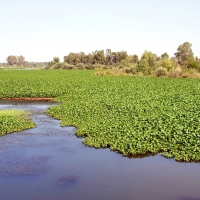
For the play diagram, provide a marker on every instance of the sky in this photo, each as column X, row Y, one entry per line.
column 42, row 29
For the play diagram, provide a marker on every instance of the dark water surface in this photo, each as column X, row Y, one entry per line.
column 50, row 163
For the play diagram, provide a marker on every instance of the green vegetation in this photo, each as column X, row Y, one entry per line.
column 132, row 115
column 120, row 63
column 109, row 63
column 14, row 120
column 18, row 62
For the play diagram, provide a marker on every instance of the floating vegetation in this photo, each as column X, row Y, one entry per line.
column 14, row 120
column 130, row 115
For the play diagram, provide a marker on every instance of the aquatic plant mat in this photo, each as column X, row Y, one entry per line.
column 130, row 115
column 14, row 120
column 29, row 99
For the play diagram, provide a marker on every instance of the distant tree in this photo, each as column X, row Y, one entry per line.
column 119, row 56
column 54, row 64
column 166, row 63
column 134, row 58
column 164, row 55
column 157, row 57
column 150, row 57
column 89, row 59
column 184, row 53
column 193, row 63
column 56, row 59
column 12, row 60
column 147, row 62
column 82, row 58
column 122, row 55
column 125, row 63
column 109, row 57
column 99, row 57
column 21, row 60
column 71, row 58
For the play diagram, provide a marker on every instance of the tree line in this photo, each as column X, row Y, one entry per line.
column 19, row 61
column 148, row 62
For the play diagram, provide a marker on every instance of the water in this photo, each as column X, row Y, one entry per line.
column 50, row 162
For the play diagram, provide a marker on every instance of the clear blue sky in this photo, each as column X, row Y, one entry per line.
column 42, row 29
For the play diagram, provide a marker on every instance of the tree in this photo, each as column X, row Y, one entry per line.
column 193, row 63
column 134, row 58
column 150, row 57
column 109, row 57
column 99, row 57
column 89, row 59
column 71, row 58
column 12, row 60
column 56, row 59
column 21, row 60
column 184, row 53
column 147, row 62
column 166, row 63
column 164, row 55
column 117, row 57
column 54, row 64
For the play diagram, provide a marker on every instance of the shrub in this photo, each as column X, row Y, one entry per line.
column 67, row 66
column 166, row 63
column 175, row 73
column 90, row 67
column 97, row 65
column 110, row 72
column 193, row 64
column 127, row 70
column 161, row 71
column 80, row 66
column 190, row 73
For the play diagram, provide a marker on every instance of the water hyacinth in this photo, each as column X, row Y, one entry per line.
column 14, row 120
column 131, row 115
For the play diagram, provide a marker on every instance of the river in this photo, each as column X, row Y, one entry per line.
column 50, row 162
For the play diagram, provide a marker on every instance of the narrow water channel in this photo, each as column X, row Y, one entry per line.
column 50, row 163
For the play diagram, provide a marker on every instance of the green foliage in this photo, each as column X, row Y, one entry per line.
column 144, row 67
column 161, row 72
column 125, row 63
column 147, row 63
column 134, row 58
column 131, row 115
column 166, row 63
column 165, row 55
column 184, row 53
column 56, row 59
column 14, row 120
column 194, row 64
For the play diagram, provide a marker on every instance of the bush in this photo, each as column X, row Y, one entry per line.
column 175, row 73
column 190, row 73
column 110, row 72
column 98, row 66
column 161, row 72
column 67, row 66
column 80, row 66
column 193, row 64
column 127, row 70
column 166, row 63
column 90, row 67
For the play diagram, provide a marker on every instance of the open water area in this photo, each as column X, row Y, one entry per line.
column 50, row 163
